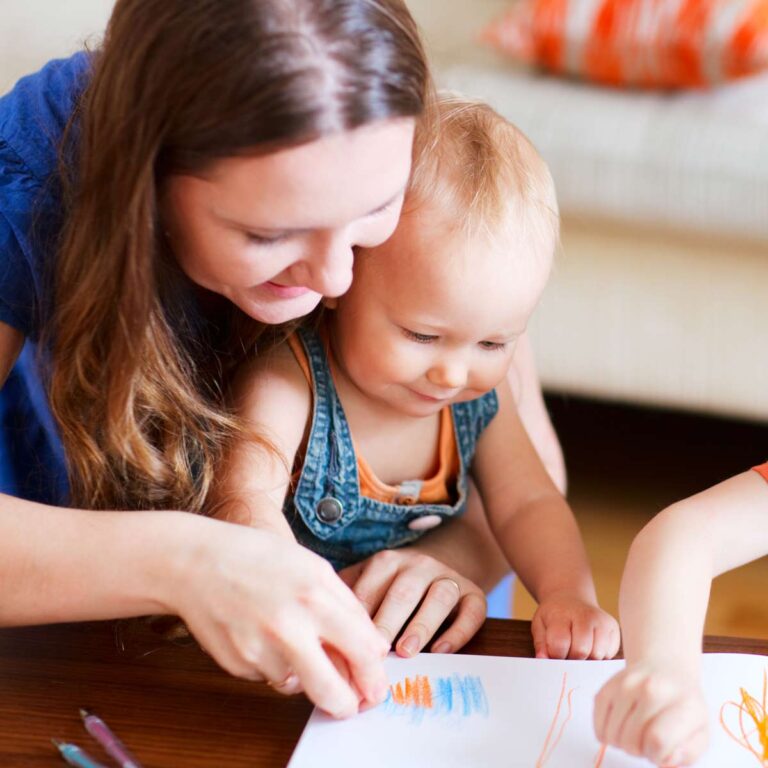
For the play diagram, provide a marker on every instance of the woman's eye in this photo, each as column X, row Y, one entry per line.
column 493, row 345
column 386, row 207
column 421, row 338
column 262, row 240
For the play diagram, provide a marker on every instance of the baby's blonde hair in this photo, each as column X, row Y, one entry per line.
column 484, row 173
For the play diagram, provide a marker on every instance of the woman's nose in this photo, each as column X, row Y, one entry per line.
column 327, row 268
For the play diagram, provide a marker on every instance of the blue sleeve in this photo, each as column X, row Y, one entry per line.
column 18, row 284
column 32, row 118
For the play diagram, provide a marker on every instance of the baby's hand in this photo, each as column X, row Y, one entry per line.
column 655, row 712
column 567, row 627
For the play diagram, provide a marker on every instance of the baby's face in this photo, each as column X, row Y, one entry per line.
column 432, row 318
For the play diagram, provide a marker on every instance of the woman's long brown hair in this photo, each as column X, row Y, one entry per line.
column 138, row 392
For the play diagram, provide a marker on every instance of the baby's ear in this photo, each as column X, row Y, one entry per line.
column 330, row 302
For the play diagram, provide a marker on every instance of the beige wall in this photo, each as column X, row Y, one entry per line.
column 34, row 31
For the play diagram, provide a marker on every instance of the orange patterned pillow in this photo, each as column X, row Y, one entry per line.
column 645, row 43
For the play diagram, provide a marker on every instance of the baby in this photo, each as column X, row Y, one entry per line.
column 398, row 396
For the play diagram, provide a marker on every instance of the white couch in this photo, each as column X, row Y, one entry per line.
column 661, row 290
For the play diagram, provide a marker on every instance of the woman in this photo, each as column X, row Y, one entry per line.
column 218, row 160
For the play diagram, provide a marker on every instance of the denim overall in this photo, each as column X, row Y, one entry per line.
column 326, row 511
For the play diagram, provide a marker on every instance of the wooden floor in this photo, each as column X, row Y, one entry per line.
column 626, row 464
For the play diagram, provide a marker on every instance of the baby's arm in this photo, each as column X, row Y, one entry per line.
column 272, row 396
column 655, row 707
column 537, row 532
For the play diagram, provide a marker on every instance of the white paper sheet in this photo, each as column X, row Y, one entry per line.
column 498, row 712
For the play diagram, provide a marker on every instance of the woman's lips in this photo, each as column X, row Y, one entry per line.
column 285, row 291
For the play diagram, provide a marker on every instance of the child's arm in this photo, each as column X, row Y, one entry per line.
column 526, row 388
column 655, row 707
column 272, row 395
column 537, row 532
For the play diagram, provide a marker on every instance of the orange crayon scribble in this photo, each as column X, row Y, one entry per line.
column 417, row 692
column 548, row 749
column 600, row 756
column 749, row 707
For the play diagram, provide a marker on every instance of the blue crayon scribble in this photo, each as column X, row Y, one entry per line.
column 447, row 697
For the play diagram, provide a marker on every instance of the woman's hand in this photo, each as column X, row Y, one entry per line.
column 395, row 583
column 266, row 608
column 657, row 712
column 565, row 626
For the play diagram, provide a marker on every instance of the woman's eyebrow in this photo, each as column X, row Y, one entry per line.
column 288, row 231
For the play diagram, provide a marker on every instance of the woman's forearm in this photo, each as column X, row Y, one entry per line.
column 59, row 564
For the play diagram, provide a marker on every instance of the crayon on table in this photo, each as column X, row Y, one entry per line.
column 76, row 756
column 112, row 745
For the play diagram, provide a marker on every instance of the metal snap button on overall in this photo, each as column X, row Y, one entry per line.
column 329, row 510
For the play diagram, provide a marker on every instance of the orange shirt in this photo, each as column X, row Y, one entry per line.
column 434, row 490
column 762, row 470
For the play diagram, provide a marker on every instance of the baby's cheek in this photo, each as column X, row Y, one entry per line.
column 491, row 378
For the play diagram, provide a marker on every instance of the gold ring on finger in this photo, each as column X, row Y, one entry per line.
column 282, row 683
column 451, row 581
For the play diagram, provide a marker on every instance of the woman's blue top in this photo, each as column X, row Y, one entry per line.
column 32, row 119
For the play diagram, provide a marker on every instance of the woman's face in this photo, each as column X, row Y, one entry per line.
column 274, row 233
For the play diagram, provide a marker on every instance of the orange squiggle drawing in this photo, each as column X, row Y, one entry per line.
column 600, row 756
column 756, row 711
column 547, row 749
column 417, row 692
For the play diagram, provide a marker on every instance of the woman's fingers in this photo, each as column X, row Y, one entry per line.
column 400, row 601
column 358, row 644
column 268, row 664
column 372, row 580
column 319, row 677
column 470, row 616
column 406, row 588
column 443, row 595
column 266, row 608
column 257, row 661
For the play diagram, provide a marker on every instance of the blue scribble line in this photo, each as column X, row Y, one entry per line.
column 442, row 697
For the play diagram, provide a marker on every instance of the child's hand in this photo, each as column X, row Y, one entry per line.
column 655, row 712
column 566, row 626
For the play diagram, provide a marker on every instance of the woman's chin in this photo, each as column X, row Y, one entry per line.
column 273, row 310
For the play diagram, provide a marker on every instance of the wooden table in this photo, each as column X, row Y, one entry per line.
column 172, row 705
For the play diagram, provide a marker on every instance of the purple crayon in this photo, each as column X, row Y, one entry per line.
column 112, row 745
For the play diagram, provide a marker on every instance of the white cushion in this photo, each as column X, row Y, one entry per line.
column 691, row 161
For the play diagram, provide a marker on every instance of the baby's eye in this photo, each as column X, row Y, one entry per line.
column 493, row 345
column 421, row 338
